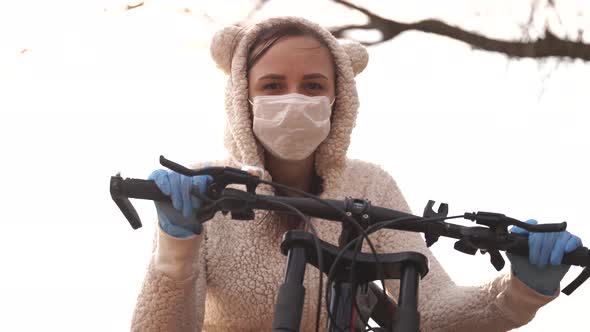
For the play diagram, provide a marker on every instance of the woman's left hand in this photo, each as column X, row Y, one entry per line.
column 543, row 270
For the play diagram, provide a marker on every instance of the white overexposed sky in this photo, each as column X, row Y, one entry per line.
column 86, row 93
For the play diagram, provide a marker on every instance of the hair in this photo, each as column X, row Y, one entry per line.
column 267, row 38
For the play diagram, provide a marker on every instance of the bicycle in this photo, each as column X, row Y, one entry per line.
column 351, row 273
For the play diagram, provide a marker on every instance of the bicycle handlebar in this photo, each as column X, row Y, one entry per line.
column 493, row 236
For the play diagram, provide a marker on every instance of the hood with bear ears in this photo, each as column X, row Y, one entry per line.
column 350, row 59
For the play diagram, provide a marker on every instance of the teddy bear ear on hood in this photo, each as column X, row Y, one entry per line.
column 359, row 57
column 221, row 46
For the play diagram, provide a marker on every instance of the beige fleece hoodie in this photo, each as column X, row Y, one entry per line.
column 227, row 278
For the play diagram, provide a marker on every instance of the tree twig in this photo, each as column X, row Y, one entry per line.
column 129, row 7
column 547, row 46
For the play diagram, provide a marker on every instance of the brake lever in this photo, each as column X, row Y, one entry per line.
column 222, row 177
column 123, row 189
column 500, row 223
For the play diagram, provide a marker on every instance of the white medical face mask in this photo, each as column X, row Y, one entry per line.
column 291, row 126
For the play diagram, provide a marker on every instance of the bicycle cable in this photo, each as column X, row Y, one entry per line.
column 371, row 229
column 333, row 269
column 347, row 218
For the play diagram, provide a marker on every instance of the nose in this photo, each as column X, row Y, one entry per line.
column 295, row 89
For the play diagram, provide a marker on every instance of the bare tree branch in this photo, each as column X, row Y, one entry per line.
column 257, row 8
column 547, row 46
column 545, row 78
column 129, row 7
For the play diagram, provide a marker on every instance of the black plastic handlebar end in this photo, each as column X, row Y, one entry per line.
column 122, row 201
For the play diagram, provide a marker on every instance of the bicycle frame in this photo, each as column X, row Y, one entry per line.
column 408, row 267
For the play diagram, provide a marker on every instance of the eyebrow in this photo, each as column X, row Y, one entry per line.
column 283, row 77
column 314, row 76
column 273, row 77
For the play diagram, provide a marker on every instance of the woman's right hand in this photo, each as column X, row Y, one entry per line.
column 178, row 218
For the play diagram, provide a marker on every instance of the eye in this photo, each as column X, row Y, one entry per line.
column 314, row 86
column 271, row 86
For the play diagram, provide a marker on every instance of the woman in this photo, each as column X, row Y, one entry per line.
column 291, row 104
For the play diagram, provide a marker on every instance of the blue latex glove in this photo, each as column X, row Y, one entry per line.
column 543, row 270
column 178, row 218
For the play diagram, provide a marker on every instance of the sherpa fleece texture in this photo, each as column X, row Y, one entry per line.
column 226, row 279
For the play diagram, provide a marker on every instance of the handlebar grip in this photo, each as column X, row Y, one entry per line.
column 142, row 189
column 123, row 189
column 578, row 257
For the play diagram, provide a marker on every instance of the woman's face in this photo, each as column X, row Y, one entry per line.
column 294, row 64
